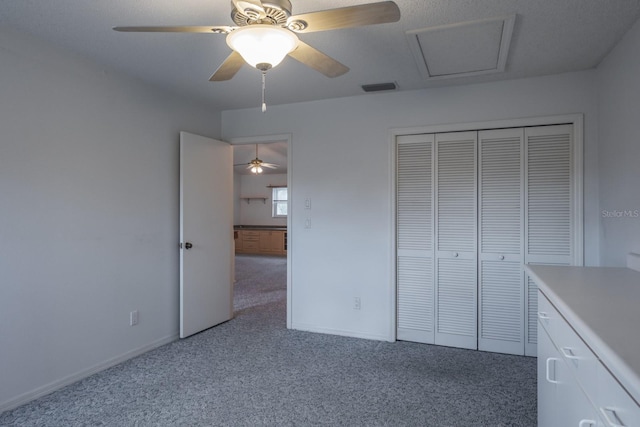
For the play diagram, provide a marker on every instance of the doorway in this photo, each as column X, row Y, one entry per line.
column 262, row 197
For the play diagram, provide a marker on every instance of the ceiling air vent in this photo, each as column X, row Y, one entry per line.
column 379, row 87
column 463, row 49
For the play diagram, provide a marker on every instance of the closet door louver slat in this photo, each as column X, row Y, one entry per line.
column 415, row 299
column 456, row 310
column 501, row 307
column 500, row 206
column 414, row 222
column 456, row 239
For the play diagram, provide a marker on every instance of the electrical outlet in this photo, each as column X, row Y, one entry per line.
column 307, row 223
column 133, row 318
column 357, row 304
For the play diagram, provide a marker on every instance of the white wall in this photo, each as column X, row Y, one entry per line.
column 88, row 215
column 236, row 198
column 255, row 212
column 619, row 153
column 341, row 160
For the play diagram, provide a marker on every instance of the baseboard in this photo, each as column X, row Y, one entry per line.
column 58, row 384
column 351, row 334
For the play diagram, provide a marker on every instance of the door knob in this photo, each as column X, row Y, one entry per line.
column 188, row 245
column 501, row 257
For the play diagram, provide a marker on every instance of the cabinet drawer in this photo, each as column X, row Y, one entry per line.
column 577, row 355
column 250, row 245
column 246, row 233
column 615, row 406
column 548, row 317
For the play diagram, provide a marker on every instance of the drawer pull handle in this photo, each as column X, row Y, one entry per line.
column 549, row 370
column 569, row 354
column 609, row 415
column 587, row 423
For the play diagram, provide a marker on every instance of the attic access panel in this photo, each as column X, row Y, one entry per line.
column 463, row 49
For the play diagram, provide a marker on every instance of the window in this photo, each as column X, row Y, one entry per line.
column 280, row 202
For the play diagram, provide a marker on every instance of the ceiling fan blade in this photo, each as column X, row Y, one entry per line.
column 345, row 17
column 269, row 165
column 178, row 29
column 313, row 58
column 228, row 68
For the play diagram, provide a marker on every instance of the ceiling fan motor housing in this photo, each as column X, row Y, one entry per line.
column 277, row 12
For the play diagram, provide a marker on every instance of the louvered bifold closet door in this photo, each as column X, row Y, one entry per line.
column 414, row 223
column 456, row 239
column 549, row 214
column 500, row 232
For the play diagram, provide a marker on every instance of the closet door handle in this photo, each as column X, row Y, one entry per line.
column 501, row 257
column 455, row 254
column 587, row 423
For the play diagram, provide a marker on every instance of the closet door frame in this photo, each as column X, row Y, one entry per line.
column 577, row 120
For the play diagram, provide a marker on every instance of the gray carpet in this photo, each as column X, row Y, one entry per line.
column 252, row 371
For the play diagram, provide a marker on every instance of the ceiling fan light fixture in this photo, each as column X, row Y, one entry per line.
column 262, row 46
column 256, row 169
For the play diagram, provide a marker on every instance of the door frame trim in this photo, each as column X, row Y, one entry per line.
column 576, row 119
column 266, row 139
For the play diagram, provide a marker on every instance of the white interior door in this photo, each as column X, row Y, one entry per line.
column 500, row 234
column 549, row 215
column 206, row 233
column 414, row 228
column 456, row 240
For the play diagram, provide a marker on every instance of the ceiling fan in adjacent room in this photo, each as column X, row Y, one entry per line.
column 256, row 164
column 266, row 32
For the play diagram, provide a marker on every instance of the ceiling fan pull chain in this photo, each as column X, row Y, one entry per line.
column 264, row 85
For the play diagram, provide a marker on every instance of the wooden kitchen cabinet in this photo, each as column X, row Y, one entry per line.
column 272, row 242
column 261, row 242
column 238, row 241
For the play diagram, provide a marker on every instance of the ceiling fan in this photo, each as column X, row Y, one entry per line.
column 266, row 32
column 256, row 164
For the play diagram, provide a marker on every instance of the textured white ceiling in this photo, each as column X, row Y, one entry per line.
column 550, row 36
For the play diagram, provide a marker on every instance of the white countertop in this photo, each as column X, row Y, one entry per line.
column 602, row 304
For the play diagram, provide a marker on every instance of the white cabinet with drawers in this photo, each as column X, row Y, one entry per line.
column 588, row 346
